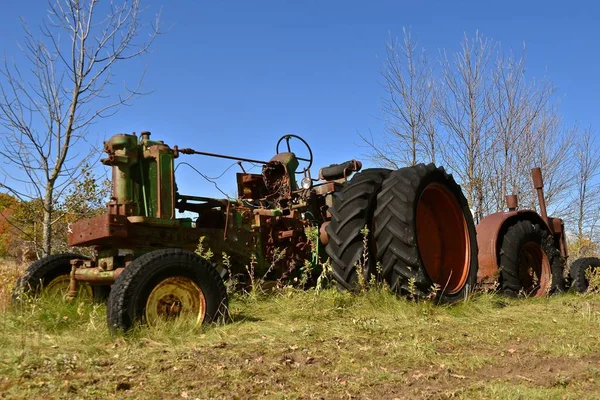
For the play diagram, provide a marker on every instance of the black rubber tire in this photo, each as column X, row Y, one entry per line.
column 352, row 210
column 517, row 236
column 579, row 282
column 396, row 231
column 100, row 293
column 43, row 270
column 129, row 294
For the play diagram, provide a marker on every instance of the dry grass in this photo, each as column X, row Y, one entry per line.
column 9, row 272
column 312, row 345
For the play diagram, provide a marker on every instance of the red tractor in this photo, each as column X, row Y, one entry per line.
column 520, row 251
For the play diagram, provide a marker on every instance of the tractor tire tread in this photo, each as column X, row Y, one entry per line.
column 353, row 208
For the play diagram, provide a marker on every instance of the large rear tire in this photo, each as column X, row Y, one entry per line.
column 50, row 276
column 352, row 211
column 577, row 272
column 425, row 235
column 165, row 284
column 530, row 264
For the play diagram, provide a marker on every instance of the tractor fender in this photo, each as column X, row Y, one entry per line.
column 489, row 231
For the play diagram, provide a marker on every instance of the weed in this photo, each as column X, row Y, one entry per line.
column 592, row 275
column 312, row 235
column 257, row 284
column 202, row 251
column 305, row 274
column 250, row 268
column 324, row 277
column 226, row 261
column 362, row 265
column 434, row 290
column 10, row 271
column 412, row 288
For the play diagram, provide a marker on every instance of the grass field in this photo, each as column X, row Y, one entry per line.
column 309, row 345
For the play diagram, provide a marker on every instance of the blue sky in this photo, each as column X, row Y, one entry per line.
column 232, row 77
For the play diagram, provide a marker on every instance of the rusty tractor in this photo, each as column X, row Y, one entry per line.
column 411, row 227
column 520, row 251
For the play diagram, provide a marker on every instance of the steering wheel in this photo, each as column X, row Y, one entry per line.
column 287, row 142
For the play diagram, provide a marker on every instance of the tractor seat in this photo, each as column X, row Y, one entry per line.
column 339, row 171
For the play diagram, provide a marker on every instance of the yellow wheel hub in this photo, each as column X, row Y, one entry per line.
column 59, row 287
column 173, row 297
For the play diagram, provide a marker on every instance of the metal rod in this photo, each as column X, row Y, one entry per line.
column 202, row 153
column 97, row 275
column 226, row 220
column 144, row 196
column 538, row 183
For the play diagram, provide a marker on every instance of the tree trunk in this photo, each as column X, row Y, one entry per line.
column 47, row 225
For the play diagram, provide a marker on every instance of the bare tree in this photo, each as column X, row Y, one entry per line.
column 586, row 204
column 550, row 148
column 408, row 109
column 48, row 105
column 520, row 115
column 465, row 111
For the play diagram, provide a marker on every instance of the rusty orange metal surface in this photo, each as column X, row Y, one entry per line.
column 488, row 232
column 443, row 238
column 323, row 235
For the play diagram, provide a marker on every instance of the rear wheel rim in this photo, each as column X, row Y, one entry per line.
column 174, row 297
column 443, row 238
column 534, row 270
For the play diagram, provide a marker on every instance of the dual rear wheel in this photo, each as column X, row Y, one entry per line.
column 419, row 231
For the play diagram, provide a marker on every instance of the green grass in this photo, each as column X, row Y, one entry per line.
column 306, row 345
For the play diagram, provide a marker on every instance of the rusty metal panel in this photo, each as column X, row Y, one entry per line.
column 92, row 231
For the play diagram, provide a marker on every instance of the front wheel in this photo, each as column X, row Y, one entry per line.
column 163, row 285
column 530, row 265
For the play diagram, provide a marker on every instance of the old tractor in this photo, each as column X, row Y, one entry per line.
column 411, row 227
column 520, row 251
